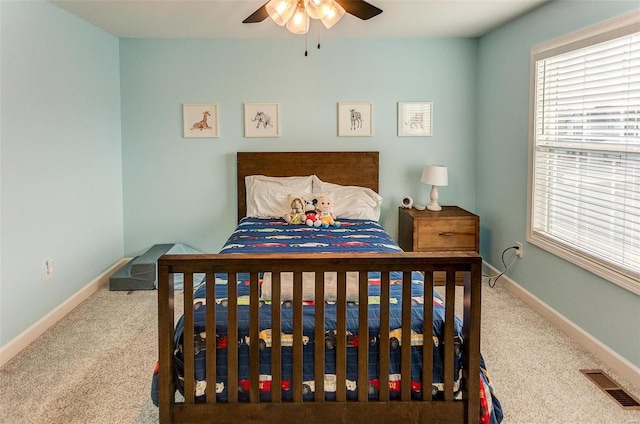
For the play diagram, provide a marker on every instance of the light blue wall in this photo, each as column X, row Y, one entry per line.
column 69, row 91
column 606, row 311
column 184, row 190
column 61, row 166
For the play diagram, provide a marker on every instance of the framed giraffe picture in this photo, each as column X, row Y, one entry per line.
column 415, row 119
column 200, row 120
column 355, row 119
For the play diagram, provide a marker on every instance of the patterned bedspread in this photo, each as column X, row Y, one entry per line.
column 266, row 235
column 254, row 235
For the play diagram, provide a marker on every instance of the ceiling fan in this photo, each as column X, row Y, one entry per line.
column 358, row 8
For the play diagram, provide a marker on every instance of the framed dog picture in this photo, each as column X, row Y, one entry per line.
column 261, row 120
column 200, row 120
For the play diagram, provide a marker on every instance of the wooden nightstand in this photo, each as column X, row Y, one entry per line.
column 448, row 230
column 451, row 229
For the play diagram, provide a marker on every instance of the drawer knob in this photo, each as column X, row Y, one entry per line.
column 448, row 234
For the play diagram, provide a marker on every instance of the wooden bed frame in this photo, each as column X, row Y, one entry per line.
column 348, row 168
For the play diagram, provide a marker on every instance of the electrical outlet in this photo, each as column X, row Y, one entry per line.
column 519, row 252
column 48, row 269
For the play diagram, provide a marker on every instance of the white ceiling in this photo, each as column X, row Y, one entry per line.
column 223, row 18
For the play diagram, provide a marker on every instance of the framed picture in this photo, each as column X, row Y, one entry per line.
column 414, row 119
column 261, row 120
column 200, row 120
column 355, row 119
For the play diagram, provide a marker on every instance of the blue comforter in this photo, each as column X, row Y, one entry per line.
column 261, row 235
column 255, row 235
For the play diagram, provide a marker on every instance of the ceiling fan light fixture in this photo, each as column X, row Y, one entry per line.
column 299, row 22
column 281, row 11
column 333, row 15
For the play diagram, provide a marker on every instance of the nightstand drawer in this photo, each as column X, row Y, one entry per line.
column 446, row 234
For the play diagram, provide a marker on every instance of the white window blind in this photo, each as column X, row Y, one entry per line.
column 585, row 173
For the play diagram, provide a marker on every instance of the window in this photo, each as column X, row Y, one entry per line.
column 584, row 170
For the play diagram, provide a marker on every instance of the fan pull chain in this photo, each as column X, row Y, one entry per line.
column 306, row 42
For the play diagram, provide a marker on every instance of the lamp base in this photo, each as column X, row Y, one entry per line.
column 434, row 206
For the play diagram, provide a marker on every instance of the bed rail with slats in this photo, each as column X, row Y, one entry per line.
column 382, row 410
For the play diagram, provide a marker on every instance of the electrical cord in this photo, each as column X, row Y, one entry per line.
column 506, row 267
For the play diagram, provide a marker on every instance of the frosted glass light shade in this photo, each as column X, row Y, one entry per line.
column 317, row 9
column 299, row 22
column 281, row 10
column 333, row 15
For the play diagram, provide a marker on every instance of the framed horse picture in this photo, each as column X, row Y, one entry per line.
column 200, row 120
column 261, row 120
column 355, row 119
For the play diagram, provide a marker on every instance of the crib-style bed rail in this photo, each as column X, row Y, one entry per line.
column 319, row 410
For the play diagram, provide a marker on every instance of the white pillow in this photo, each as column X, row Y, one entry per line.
column 350, row 202
column 269, row 196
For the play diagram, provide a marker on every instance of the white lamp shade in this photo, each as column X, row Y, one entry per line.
column 281, row 10
column 333, row 15
column 435, row 175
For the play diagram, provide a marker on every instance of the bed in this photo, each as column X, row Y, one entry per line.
column 302, row 319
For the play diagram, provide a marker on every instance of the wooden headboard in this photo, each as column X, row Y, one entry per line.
column 345, row 168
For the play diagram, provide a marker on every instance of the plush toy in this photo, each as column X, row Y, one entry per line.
column 296, row 213
column 325, row 212
column 311, row 216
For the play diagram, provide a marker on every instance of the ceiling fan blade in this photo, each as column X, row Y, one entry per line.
column 257, row 16
column 359, row 8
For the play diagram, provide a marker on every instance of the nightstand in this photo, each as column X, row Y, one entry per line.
column 451, row 229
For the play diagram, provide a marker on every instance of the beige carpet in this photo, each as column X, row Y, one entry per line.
column 95, row 366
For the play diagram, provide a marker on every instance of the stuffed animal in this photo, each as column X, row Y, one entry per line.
column 296, row 213
column 311, row 216
column 325, row 212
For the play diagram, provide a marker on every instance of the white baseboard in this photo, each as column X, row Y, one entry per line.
column 30, row 334
column 612, row 359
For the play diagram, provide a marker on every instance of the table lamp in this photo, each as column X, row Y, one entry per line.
column 436, row 175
